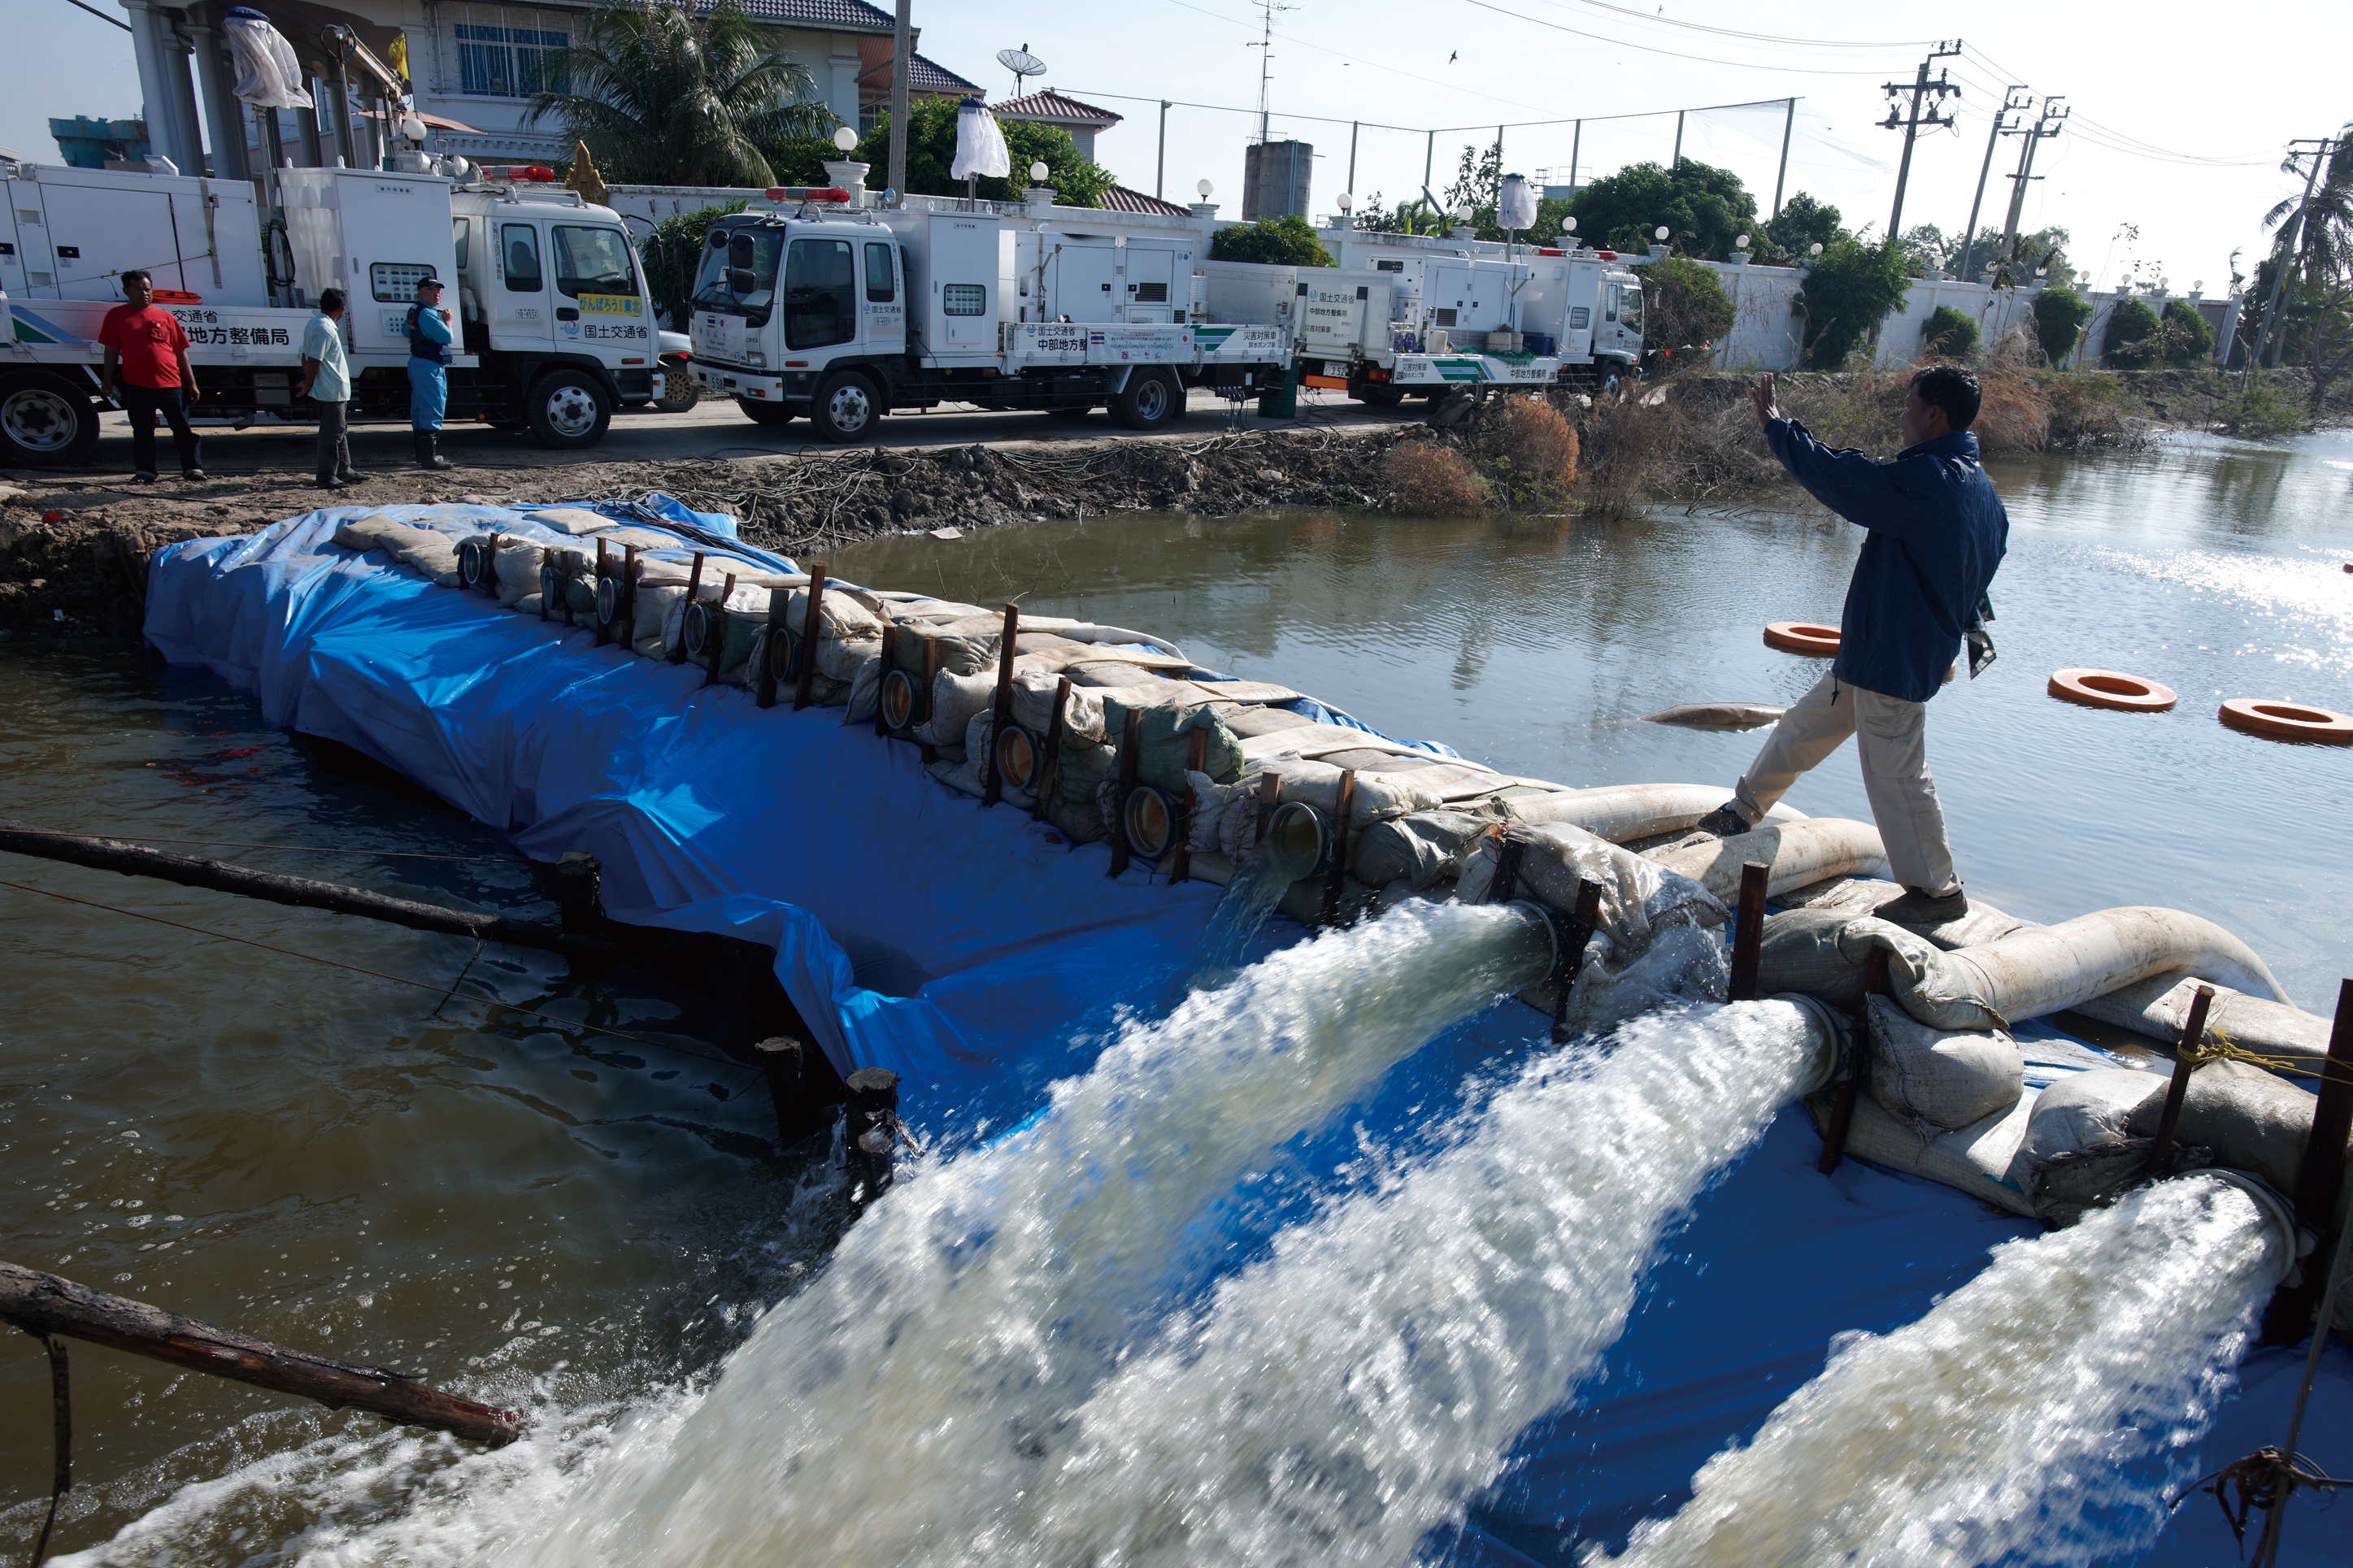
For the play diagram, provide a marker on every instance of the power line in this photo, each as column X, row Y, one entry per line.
column 1654, row 49
column 1756, row 37
column 1353, row 59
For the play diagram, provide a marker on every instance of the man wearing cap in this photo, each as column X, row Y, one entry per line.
column 147, row 368
column 429, row 376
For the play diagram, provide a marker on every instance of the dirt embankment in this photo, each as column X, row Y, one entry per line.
column 73, row 554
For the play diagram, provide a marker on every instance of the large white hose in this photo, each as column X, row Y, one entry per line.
column 2064, row 966
column 1621, row 813
column 2159, row 1006
column 1796, row 855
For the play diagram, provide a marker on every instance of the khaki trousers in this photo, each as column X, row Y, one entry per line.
column 1891, row 736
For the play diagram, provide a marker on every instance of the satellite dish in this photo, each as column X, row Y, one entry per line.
column 1021, row 63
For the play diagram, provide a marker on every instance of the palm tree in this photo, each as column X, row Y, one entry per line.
column 2326, row 247
column 667, row 94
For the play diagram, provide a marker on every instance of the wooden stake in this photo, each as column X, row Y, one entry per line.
column 47, row 1304
column 871, row 1128
column 1195, row 757
column 490, row 565
column 1581, row 924
column 921, row 713
column 1509, row 848
column 546, row 577
column 1050, row 755
column 1001, row 713
column 718, row 648
column 1339, row 866
column 797, row 1115
column 2193, row 1035
column 1748, row 933
column 812, row 630
column 1874, row 977
column 779, row 602
column 1269, row 795
column 299, row 892
column 604, row 570
column 2320, row 1176
column 628, row 615
column 890, row 662
column 1131, row 742
column 693, row 583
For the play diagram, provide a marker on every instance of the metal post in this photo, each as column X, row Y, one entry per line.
column 2320, row 1175
column 1874, row 979
column 1499, row 176
column 1748, row 932
column 339, row 92
column 1576, row 145
column 1351, row 186
column 1427, row 153
column 224, row 116
column 1969, row 234
column 1160, row 169
column 2193, row 1035
column 1789, row 125
column 901, row 26
column 306, row 120
column 1678, row 158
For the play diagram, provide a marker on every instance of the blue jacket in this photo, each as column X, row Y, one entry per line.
column 1938, row 533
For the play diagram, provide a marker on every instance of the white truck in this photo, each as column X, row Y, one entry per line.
column 815, row 304
column 557, row 329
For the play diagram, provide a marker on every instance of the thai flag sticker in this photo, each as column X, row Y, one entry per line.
column 1096, row 338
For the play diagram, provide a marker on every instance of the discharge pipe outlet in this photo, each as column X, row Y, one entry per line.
column 2035, row 972
column 1298, row 840
column 1621, row 813
column 1795, row 855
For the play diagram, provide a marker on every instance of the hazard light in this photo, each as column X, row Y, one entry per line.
column 1607, row 255
column 1551, row 250
column 781, row 194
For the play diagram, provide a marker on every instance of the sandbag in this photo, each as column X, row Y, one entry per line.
column 377, row 531
column 1640, row 898
column 2080, row 1147
column 1795, row 855
column 572, row 520
column 434, row 558
column 1824, row 953
column 958, row 655
column 1976, row 1159
column 2252, row 1121
column 1165, row 743
column 954, row 699
column 1869, row 895
column 1419, row 849
column 1944, row 1079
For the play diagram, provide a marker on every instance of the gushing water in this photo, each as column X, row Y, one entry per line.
column 1333, row 1403
column 1258, row 886
column 2037, row 1414
column 899, row 1408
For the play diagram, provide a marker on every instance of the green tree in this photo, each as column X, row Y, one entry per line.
column 1926, row 249
column 1950, row 332
column 1077, row 181
column 1803, row 223
column 1286, row 241
column 2059, row 316
column 2188, row 339
column 2320, row 274
column 1850, row 290
column 1684, row 307
column 663, row 95
column 671, row 253
column 2130, row 341
column 1703, row 208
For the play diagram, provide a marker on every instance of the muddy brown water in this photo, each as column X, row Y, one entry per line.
column 542, row 1213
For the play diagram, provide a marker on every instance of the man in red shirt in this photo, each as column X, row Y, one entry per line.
column 152, row 349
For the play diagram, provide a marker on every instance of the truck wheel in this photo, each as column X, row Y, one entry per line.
column 45, row 421
column 846, row 408
column 765, row 413
column 1377, row 394
column 568, row 410
column 1149, row 400
column 680, row 390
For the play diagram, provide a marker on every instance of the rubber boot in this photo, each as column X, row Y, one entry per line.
column 426, row 458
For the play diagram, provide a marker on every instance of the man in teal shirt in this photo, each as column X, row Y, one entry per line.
column 429, row 376
column 327, row 380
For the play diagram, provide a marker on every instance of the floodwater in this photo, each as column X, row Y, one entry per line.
column 545, row 1189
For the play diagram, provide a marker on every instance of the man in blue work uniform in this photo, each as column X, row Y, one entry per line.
column 1936, row 534
column 429, row 376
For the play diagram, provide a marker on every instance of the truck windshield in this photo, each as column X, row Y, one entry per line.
column 739, row 273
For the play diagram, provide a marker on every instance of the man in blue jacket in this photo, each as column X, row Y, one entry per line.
column 1936, row 532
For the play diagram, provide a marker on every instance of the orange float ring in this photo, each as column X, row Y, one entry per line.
column 1803, row 636
column 2111, row 688
column 2287, row 720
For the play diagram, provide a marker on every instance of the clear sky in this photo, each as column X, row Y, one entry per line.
column 2159, row 91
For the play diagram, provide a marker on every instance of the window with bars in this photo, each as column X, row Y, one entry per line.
column 497, row 59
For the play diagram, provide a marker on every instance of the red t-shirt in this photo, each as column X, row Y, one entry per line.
column 149, row 340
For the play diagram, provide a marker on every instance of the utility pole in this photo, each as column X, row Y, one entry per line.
column 1160, row 169
column 901, row 44
column 1676, row 162
column 2010, row 100
column 1919, row 87
column 1351, row 186
column 2045, row 126
column 1789, row 125
column 2322, row 149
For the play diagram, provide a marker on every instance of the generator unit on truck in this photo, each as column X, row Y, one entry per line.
column 556, row 333
column 813, row 305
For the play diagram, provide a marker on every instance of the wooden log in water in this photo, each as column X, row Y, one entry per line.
column 47, row 1304
column 300, row 892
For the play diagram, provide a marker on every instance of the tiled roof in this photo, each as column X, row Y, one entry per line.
column 1120, row 199
column 926, row 77
column 1052, row 106
column 851, row 15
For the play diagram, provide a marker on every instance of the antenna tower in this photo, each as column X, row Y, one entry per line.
column 1265, row 46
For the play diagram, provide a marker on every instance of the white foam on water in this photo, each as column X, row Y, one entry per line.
column 2039, row 1414
column 902, row 1401
column 1333, row 1403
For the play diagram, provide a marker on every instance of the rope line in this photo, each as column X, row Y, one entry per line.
column 378, row 975
column 2219, row 1048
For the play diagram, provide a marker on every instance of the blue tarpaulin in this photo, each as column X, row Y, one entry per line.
column 1013, row 949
